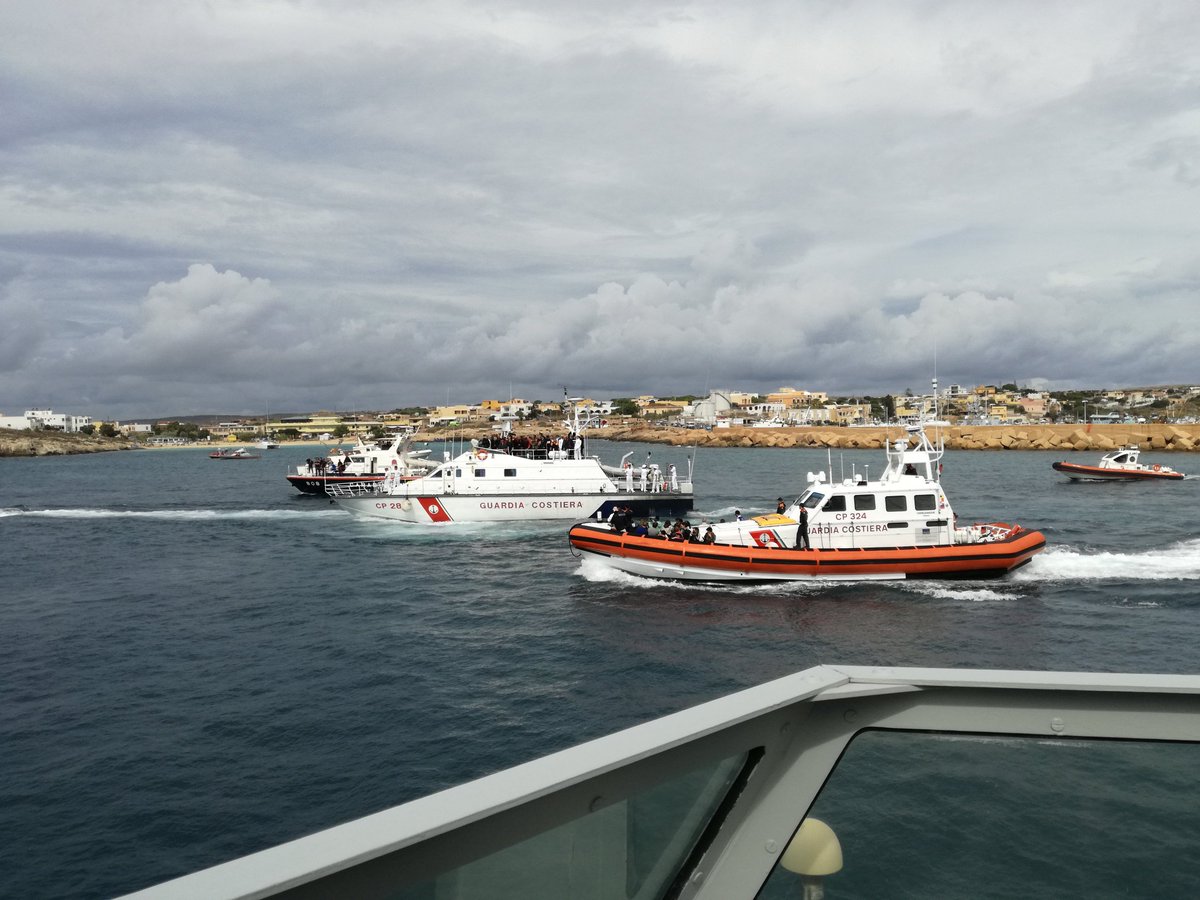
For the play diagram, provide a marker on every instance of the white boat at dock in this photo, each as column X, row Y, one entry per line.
column 504, row 479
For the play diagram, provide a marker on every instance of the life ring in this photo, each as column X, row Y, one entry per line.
column 1157, row 467
column 481, row 454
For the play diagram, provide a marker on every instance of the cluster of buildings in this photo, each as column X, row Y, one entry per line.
column 45, row 419
column 788, row 406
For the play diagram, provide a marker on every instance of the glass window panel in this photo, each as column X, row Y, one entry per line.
column 630, row 850
column 864, row 501
column 835, row 504
column 923, row 815
column 925, row 502
column 895, row 503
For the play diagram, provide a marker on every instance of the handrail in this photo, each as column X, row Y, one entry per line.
column 793, row 730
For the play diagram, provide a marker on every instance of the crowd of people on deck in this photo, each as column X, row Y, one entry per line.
column 323, row 465
column 622, row 521
column 536, row 446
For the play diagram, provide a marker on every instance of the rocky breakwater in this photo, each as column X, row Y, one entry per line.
column 57, row 443
column 1094, row 438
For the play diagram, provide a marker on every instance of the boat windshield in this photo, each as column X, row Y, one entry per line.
column 811, row 499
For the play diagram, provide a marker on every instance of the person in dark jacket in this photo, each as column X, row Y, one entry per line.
column 802, row 531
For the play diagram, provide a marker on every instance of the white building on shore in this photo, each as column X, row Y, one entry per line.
column 45, row 419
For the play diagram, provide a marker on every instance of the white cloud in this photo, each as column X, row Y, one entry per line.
column 399, row 201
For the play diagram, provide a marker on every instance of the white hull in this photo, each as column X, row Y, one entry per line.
column 519, row 481
column 444, row 509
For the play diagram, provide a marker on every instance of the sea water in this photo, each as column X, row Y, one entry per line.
column 197, row 661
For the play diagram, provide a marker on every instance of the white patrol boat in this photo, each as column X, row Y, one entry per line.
column 898, row 526
column 1121, row 464
column 500, row 480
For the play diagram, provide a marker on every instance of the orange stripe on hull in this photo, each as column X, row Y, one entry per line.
column 960, row 560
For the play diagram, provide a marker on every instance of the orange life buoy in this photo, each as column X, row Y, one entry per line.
column 481, row 454
column 1157, row 467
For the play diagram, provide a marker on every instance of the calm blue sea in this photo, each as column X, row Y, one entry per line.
column 196, row 661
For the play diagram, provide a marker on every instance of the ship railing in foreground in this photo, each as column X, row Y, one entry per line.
column 842, row 781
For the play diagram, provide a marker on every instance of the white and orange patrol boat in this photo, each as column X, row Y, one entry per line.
column 1121, row 464
column 899, row 526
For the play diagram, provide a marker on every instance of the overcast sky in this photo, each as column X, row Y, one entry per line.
column 238, row 207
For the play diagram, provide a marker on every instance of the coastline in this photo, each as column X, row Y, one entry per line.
column 1067, row 438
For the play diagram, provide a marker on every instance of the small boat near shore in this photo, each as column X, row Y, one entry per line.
column 508, row 478
column 899, row 526
column 1121, row 464
column 233, row 453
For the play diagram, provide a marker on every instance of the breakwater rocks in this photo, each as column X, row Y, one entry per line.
column 57, row 443
column 1094, row 438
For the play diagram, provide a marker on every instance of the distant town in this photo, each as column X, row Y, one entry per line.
column 1005, row 404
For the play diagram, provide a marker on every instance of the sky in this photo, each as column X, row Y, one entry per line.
column 241, row 207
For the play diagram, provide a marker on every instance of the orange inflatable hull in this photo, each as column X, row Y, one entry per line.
column 654, row 557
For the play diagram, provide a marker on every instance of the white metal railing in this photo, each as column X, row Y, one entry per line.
column 762, row 754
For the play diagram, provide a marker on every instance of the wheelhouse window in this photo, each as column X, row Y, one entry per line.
column 864, row 501
column 479, row 473
column 925, row 502
column 895, row 503
column 812, row 500
column 510, row 473
column 836, row 504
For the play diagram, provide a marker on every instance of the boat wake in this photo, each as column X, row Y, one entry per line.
column 190, row 515
column 1178, row 562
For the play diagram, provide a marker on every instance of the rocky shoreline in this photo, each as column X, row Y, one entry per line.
column 1067, row 438
column 1185, row 438
column 58, row 443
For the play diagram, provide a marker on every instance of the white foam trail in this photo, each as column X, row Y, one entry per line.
column 592, row 569
column 191, row 515
column 939, row 591
column 1178, row 562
